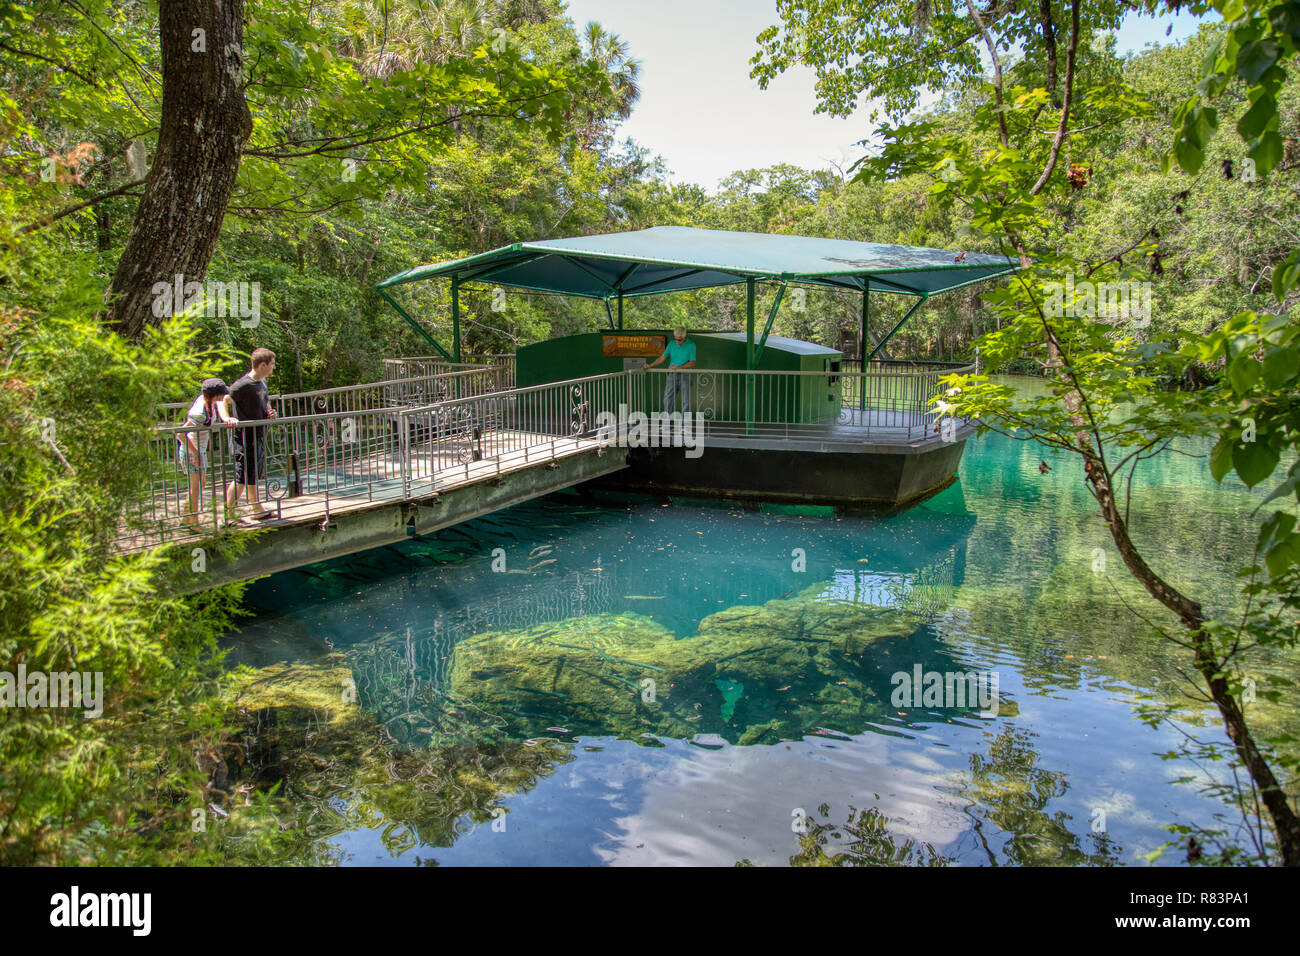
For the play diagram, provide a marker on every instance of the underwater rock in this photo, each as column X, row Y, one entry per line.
column 757, row 674
column 322, row 687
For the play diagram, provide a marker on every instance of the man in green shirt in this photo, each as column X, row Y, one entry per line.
column 680, row 355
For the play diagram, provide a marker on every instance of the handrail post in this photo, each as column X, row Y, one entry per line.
column 862, row 348
column 404, row 452
column 749, row 356
column 455, row 319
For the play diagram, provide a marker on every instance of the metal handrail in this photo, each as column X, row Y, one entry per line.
column 516, row 392
column 382, row 388
column 947, row 369
column 395, row 452
column 829, row 406
column 528, row 389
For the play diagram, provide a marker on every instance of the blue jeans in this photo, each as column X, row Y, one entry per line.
column 678, row 382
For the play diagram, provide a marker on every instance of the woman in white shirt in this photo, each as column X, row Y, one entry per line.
column 211, row 406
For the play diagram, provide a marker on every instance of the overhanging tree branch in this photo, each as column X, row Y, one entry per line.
column 343, row 144
column 55, row 63
column 149, row 77
column 1065, row 104
column 55, row 217
column 997, row 71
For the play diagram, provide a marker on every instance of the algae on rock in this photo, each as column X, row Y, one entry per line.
column 756, row 674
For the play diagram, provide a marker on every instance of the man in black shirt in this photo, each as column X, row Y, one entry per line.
column 252, row 404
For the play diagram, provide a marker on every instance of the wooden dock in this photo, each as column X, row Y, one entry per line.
column 370, row 502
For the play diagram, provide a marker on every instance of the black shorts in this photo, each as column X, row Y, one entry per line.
column 250, row 459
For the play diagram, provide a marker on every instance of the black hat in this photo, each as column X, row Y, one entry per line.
column 213, row 387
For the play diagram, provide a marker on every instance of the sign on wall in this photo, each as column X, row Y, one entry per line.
column 633, row 346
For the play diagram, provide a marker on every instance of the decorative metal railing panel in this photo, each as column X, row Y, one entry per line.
column 514, row 427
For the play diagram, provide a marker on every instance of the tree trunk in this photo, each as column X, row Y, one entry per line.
column 331, row 359
column 103, row 228
column 1049, row 45
column 204, row 126
column 1285, row 821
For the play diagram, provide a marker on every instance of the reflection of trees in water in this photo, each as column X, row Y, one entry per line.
column 864, row 840
column 403, row 677
column 914, row 563
column 378, row 772
column 1009, row 790
column 1004, row 794
column 927, row 591
column 338, row 771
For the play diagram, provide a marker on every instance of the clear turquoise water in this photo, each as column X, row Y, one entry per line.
column 784, row 745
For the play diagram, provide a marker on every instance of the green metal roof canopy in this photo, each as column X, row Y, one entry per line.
column 676, row 258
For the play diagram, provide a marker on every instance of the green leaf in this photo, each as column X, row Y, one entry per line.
column 1254, row 461
column 1205, row 121
column 1267, row 152
column 1243, row 373
column 1221, row 458
column 1285, row 18
column 1280, row 546
column 1275, row 528
column 1280, row 366
column 1254, row 59
column 1285, row 488
column 1189, row 155
column 1216, row 50
column 1257, row 117
column 1286, row 275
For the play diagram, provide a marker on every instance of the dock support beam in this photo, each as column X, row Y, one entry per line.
column 890, row 334
column 862, row 347
column 767, row 329
column 383, row 294
column 455, row 319
column 749, row 355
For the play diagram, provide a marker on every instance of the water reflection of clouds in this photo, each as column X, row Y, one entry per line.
column 704, row 810
column 1119, row 805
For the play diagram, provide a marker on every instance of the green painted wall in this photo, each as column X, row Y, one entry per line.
column 577, row 356
column 776, row 399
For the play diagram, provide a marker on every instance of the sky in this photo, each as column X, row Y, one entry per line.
column 702, row 113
